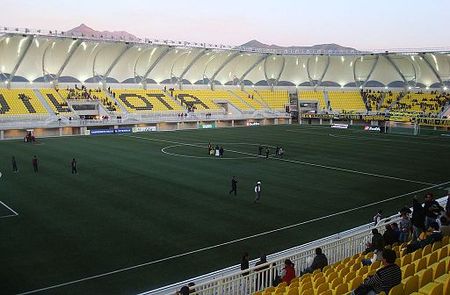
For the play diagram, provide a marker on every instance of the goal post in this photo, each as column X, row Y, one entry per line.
column 405, row 128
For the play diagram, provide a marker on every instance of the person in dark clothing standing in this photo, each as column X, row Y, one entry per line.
column 245, row 263
column 267, row 153
column 263, row 279
column 260, row 148
column 74, row 166
column 432, row 210
column 35, row 164
column 14, row 165
column 233, row 186
column 417, row 219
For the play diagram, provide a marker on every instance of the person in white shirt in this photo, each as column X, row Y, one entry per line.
column 257, row 191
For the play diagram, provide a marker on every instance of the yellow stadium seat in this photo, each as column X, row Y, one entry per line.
column 421, row 264
column 445, row 240
column 397, row 290
column 336, row 282
column 432, row 258
column 356, row 266
column 341, row 289
column 443, row 252
column 438, row 269
column 355, row 283
column 319, row 281
column 375, row 265
column 362, row 271
column 343, row 272
column 425, row 277
column 405, row 259
column 321, row 288
column 327, row 292
column 411, row 284
column 407, row 271
column 293, row 291
column 426, row 250
column 442, row 279
column 305, row 286
column 331, row 277
column 269, row 290
column 416, row 254
column 350, row 276
column 307, row 292
column 432, row 289
column 447, row 286
column 436, row 245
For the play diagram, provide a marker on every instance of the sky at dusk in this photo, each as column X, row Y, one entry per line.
column 359, row 24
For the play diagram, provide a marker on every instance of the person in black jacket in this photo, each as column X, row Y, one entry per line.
column 390, row 237
column 233, row 186
column 245, row 263
column 432, row 210
column 377, row 243
column 319, row 262
column 417, row 219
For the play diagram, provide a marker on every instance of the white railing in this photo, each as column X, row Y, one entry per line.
column 232, row 280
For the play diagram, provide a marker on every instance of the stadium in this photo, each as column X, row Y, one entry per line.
column 332, row 136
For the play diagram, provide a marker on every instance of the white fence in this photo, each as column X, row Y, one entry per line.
column 233, row 281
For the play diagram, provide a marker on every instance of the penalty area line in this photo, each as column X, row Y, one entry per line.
column 230, row 242
column 14, row 213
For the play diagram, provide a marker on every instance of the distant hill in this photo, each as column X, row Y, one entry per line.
column 89, row 32
column 257, row 44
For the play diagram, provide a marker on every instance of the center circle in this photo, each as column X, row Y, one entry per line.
column 203, row 146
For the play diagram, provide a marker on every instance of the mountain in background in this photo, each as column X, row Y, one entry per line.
column 89, row 32
column 257, row 44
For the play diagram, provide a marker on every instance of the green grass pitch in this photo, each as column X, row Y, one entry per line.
column 140, row 198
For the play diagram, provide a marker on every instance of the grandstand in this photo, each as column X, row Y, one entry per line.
column 135, row 100
column 20, row 102
column 346, row 101
column 150, row 209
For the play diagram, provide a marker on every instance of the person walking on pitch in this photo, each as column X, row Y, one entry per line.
column 257, row 192
column 233, row 186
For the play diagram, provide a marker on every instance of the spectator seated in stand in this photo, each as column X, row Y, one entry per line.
column 384, row 279
column 319, row 262
column 434, row 235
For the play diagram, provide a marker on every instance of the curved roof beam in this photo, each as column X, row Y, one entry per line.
column 22, row 55
column 389, row 59
column 370, row 73
column 137, row 61
column 324, row 71
column 71, row 52
column 279, row 75
column 432, row 68
column 254, row 65
column 227, row 61
column 154, row 64
column 94, row 74
column 199, row 55
column 114, row 63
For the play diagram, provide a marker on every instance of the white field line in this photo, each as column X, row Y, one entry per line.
column 230, row 242
column 10, row 209
column 295, row 162
column 418, row 140
column 164, row 151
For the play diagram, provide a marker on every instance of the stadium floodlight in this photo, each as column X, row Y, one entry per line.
column 386, row 87
column 445, row 88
